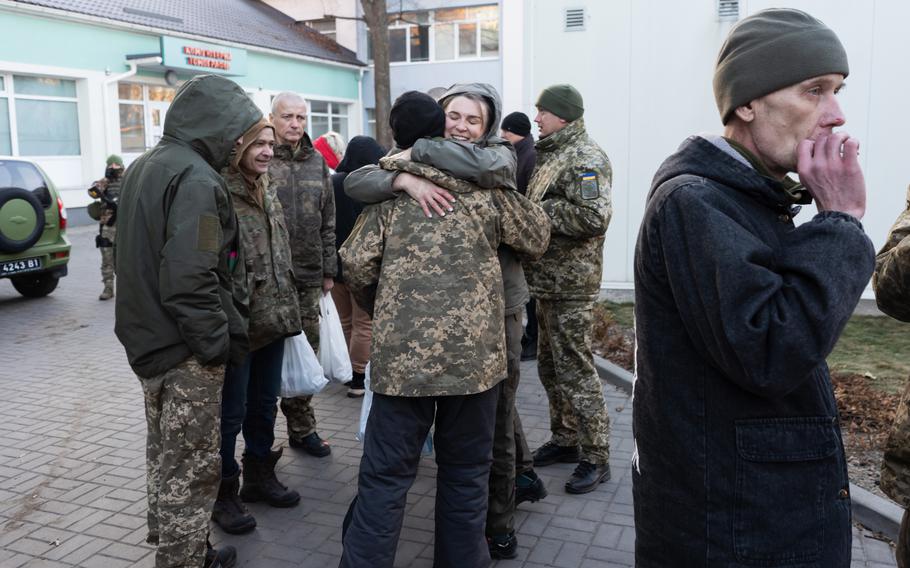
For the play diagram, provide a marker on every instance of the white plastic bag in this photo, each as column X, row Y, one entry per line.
column 366, row 404
column 333, row 349
column 427, row 449
column 301, row 373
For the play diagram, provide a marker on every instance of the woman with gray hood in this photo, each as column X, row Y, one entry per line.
column 471, row 152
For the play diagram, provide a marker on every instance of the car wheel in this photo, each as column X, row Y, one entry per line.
column 35, row 285
column 17, row 239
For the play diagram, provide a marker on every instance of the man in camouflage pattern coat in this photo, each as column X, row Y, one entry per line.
column 435, row 289
column 300, row 177
column 891, row 282
column 572, row 182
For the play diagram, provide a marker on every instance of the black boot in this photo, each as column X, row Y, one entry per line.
column 224, row 557
column 355, row 387
column 260, row 483
column 229, row 512
column 529, row 487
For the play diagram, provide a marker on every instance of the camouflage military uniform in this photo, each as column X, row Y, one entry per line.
column 891, row 282
column 269, row 277
column 301, row 180
column 183, row 410
column 449, row 274
column 108, row 229
column 434, row 289
column 572, row 183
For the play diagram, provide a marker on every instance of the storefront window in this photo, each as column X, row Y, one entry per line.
column 142, row 112
column 467, row 40
column 489, row 39
column 129, row 91
column 44, row 86
column 159, row 93
column 132, row 128
column 397, row 46
column 6, row 147
column 43, row 113
column 325, row 116
column 47, row 128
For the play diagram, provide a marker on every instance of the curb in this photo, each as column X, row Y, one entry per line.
column 873, row 512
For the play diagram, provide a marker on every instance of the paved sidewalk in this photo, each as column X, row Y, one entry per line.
column 72, row 481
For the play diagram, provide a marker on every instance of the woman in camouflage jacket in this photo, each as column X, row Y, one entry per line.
column 251, row 389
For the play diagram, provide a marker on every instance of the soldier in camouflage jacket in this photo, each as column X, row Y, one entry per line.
column 435, row 290
column 571, row 181
column 300, row 177
column 891, row 282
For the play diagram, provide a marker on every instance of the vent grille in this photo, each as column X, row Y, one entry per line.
column 727, row 9
column 575, row 19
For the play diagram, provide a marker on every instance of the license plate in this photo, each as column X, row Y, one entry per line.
column 19, row 266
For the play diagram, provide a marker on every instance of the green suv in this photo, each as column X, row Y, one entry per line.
column 34, row 250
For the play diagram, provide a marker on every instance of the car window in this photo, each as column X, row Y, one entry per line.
column 26, row 176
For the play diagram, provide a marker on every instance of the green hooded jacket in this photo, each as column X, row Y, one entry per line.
column 177, row 241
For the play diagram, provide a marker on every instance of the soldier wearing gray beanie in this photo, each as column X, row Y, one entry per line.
column 770, row 50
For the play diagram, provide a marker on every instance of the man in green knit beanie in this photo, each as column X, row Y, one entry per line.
column 739, row 460
column 571, row 180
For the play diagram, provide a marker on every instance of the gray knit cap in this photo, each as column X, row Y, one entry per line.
column 770, row 50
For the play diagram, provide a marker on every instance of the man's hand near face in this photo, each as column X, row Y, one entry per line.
column 829, row 168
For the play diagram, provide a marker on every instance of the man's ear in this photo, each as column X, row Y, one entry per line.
column 745, row 113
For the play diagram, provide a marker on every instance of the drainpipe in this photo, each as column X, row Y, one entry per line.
column 363, row 111
column 134, row 64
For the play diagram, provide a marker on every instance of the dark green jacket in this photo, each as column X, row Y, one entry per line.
column 177, row 234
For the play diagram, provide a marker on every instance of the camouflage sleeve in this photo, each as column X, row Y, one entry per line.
column 891, row 280
column 329, row 258
column 361, row 256
column 586, row 208
column 430, row 173
column 370, row 184
column 491, row 166
column 525, row 228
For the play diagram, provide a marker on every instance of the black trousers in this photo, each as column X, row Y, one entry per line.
column 463, row 442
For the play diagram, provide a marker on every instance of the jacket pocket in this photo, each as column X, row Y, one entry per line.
column 782, row 471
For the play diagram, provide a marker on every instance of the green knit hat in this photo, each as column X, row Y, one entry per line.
column 770, row 50
column 114, row 159
column 563, row 101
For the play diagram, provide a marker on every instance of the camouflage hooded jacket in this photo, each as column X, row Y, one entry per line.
column 269, row 278
column 434, row 287
column 301, row 180
column 572, row 182
column 891, row 282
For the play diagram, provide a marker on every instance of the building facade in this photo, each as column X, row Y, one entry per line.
column 82, row 80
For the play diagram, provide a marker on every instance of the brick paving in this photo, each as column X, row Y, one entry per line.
column 72, row 482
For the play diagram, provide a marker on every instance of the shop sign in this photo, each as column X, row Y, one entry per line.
column 179, row 53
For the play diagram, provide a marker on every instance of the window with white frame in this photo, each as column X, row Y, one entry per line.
column 370, row 129
column 325, row 26
column 142, row 111
column 39, row 116
column 443, row 35
column 325, row 116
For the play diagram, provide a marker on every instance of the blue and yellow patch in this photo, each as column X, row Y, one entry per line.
column 588, row 183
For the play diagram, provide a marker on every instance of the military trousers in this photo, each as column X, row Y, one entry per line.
column 298, row 411
column 183, row 466
column 463, row 442
column 107, row 253
column 565, row 363
column 510, row 450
